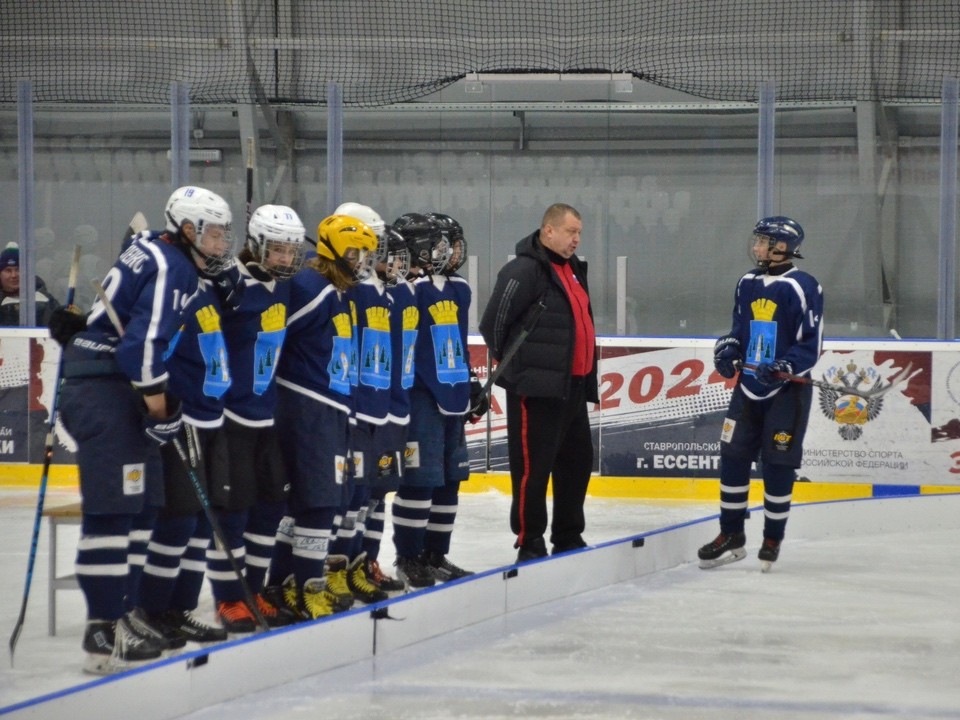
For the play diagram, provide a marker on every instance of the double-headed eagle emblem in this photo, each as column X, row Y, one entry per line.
column 852, row 396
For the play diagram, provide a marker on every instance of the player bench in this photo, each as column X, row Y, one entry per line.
column 57, row 516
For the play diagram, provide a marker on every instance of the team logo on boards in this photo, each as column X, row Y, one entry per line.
column 852, row 412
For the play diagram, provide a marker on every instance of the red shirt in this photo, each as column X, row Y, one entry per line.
column 584, row 334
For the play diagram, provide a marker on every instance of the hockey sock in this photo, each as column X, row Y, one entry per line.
column 443, row 511
column 311, row 543
column 734, row 491
column 193, row 567
column 281, row 565
column 260, row 538
column 226, row 586
column 164, row 552
column 140, row 532
column 102, row 568
column 346, row 534
column 410, row 510
column 777, row 495
column 376, row 519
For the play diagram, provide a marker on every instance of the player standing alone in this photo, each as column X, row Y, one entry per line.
column 777, row 328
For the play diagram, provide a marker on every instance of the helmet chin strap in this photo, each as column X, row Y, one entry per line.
column 775, row 256
column 338, row 259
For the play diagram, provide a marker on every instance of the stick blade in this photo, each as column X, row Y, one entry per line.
column 138, row 223
column 15, row 636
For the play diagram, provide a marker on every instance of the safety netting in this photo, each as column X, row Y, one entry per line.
column 382, row 52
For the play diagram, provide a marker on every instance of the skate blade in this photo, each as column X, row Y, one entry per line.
column 95, row 664
column 766, row 566
column 725, row 559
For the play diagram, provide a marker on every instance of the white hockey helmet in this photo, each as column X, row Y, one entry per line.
column 203, row 220
column 362, row 212
column 276, row 239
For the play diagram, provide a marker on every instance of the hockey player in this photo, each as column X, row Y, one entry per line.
column 373, row 459
column 425, row 504
column 115, row 405
column 777, row 328
column 176, row 555
column 404, row 319
column 314, row 405
column 249, row 509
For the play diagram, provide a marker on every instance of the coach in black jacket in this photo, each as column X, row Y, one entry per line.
column 549, row 381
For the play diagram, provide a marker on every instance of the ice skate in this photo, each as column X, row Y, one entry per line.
column 379, row 578
column 336, row 574
column 113, row 647
column 188, row 626
column 360, row 585
column 722, row 550
column 236, row 617
column 769, row 552
column 414, row 573
column 316, row 599
column 148, row 628
column 441, row 568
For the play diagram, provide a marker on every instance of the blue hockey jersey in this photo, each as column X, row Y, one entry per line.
column 316, row 358
column 442, row 357
column 254, row 332
column 149, row 286
column 370, row 308
column 404, row 321
column 777, row 317
column 199, row 369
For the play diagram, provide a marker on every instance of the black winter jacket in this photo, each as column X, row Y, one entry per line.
column 541, row 367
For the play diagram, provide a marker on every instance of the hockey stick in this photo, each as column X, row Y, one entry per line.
column 842, row 389
column 250, row 151
column 47, row 459
column 219, row 536
column 529, row 322
column 137, row 225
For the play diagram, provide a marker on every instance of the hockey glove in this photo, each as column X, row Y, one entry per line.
column 65, row 322
column 230, row 286
column 479, row 400
column 726, row 354
column 766, row 373
column 162, row 431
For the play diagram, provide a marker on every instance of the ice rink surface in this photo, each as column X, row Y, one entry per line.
column 843, row 627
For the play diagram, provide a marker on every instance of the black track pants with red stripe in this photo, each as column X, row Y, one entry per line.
column 549, row 436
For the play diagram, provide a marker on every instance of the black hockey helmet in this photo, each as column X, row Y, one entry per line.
column 429, row 249
column 453, row 232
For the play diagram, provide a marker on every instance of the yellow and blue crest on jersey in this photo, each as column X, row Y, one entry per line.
column 266, row 351
column 410, row 321
column 762, row 347
column 376, row 356
column 213, row 350
column 338, row 369
column 353, row 368
column 449, row 350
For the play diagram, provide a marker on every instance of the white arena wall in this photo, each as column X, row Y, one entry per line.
column 661, row 409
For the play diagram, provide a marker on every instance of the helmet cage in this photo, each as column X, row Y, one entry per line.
column 456, row 243
column 275, row 238
column 202, row 219
column 396, row 261
column 458, row 255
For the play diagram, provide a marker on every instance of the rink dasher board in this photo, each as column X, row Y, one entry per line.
column 191, row 681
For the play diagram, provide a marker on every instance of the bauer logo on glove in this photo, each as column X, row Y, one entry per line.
column 163, row 430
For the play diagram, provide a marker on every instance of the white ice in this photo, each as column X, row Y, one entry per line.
column 845, row 627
